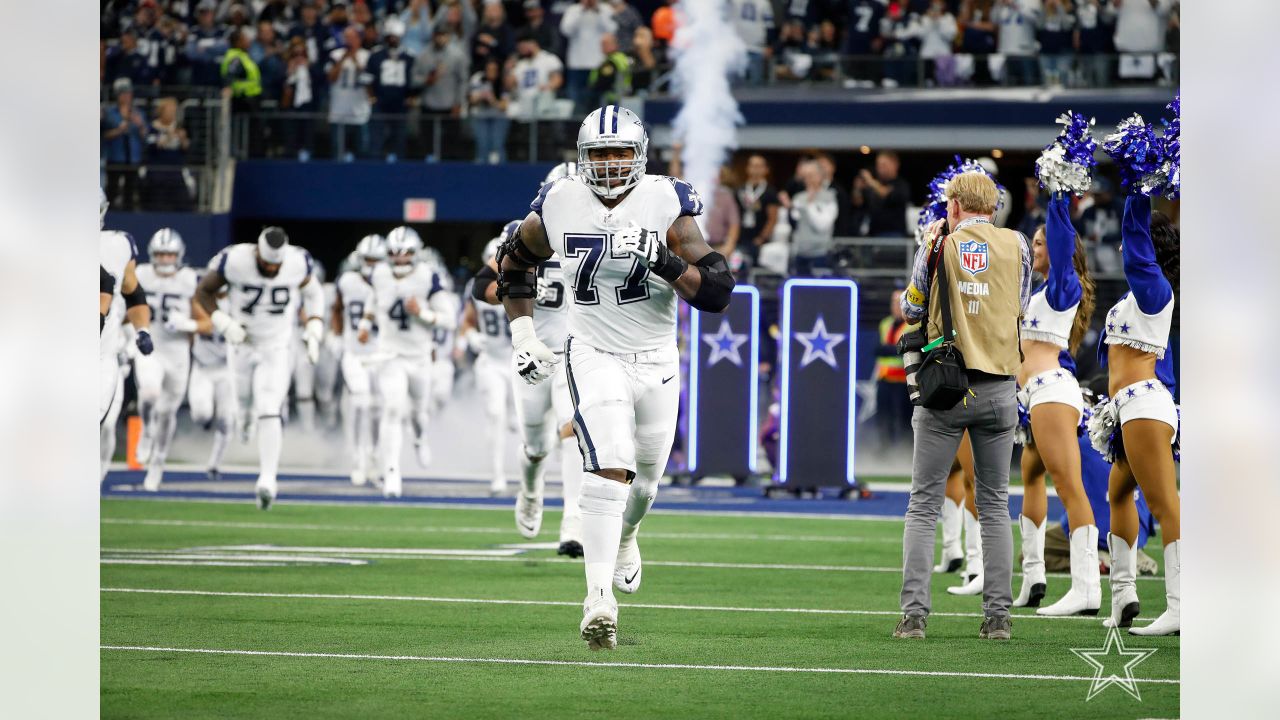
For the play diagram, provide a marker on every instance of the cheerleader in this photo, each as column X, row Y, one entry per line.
column 1056, row 320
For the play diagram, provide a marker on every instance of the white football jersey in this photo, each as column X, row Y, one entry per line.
column 267, row 307
column 495, row 331
column 357, row 298
column 615, row 305
column 399, row 331
column 115, row 250
column 210, row 351
column 551, row 313
column 168, row 296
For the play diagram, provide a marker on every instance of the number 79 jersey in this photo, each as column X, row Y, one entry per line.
column 614, row 303
column 266, row 306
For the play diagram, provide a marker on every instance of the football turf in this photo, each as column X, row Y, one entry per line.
column 319, row 611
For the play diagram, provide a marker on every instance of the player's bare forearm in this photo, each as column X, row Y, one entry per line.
column 706, row 282
column 139, row 316
column 206, row 296
column 491, row 290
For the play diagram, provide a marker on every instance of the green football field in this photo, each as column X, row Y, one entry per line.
column 218, row 610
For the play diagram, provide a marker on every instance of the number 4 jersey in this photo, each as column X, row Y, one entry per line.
column 615, row 305
column 400, row 332
column 266, row 306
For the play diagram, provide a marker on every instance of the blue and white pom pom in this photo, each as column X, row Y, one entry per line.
column 1139, row 154
column 935, row 207
column 1172, row 142
column 1066, row 164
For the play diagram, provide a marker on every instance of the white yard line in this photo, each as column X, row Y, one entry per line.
column 558, row 603
column 647, row 666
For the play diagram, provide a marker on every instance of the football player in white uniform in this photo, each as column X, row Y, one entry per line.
column 629, row 245
column 209, row 396
column 354, row 299
column 445, row 338
column 484, row 329
column 170, row 286
column 107, row 426
column 266, row 279
column 118, row 256
column 409, row 303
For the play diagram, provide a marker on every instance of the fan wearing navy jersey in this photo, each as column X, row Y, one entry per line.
column 484, row 330
column 1138, row 427
column 409, row 303
column 1056, row 319
column 170, row 287
column 118, row 256
column 209, row 395
column 629, row 245
column 355, row 298
column 265, row 282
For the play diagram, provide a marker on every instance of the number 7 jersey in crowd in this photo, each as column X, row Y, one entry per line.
column 266, row 306
column 600, row 281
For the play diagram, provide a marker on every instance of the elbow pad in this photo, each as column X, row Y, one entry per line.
column 716, row 286
column 135, row 298
column 519, row 253
column 106, row 283
column 483, row 279
column 517, row 285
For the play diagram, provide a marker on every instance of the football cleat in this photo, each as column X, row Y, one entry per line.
column 528, row 515
column 265, row 491
column 214, row 474
column 498, row 487
column 572, row 548
column 600, row 622
column 155, row 474
column 392, row 484
column 626, row 575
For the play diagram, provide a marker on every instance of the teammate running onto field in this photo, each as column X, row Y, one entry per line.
column 209, row 396
column 629, row 245
column 354, row 299
column 117, row 255
column 484, row 329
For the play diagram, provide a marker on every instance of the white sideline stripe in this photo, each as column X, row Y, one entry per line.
column 214, row 563
column 559, row 603
column 488, row 531
column 207, row 557
column 646, row 666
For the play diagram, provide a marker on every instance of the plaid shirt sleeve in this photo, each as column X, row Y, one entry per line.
column 915, row 301
column 1024, row 296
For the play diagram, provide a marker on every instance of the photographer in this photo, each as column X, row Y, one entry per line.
column 975, row 282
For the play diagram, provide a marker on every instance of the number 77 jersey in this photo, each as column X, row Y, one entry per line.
column 614, row 303
column 266, row 306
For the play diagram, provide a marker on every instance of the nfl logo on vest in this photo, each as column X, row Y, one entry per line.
column 973, row 256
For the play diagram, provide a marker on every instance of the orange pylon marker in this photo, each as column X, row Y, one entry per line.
column 134, row 427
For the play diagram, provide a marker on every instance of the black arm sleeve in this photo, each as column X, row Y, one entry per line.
column 716, row 286
column 521, row 283
column 106, row 283
column 483, row 279
column 135, row 298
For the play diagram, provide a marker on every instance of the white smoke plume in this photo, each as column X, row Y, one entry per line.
column 708, row 52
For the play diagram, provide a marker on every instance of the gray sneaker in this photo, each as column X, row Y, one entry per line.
column 910, row 626
column 996, row 627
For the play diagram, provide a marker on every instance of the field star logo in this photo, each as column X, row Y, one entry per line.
column 1113, row 652
column 819, row 344
column 973, row 256
column 724, row 345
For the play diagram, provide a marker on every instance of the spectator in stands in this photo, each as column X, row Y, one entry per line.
column 863, row 35
column 645, row 64
column 494, row 37
column 724, row 217
column 752, row 20
column 627, row 19
column 845, row 216
column 547, row 34
column 442, row 72
column 795, row 57
column 124, row 61
column 535, row 78
column 1141, row 25
column 1098, row 220
column 236, row 19
column 977, row 40
column 417, row 26
column 206, row 44
column 664, row 24
column 824, row 43
column 389, row 70
column 348, row 97
column 266, row 52
column 583, row 25
column 1094, row 27
column 279, row 13
column 487, row 98
column 760, row 205
column 167, row 145
column 935, row 30
column 124, row 129
column 152, row 42
column 611, row 80
column 314, row 35
column 1017, row 21
column 299, row 99
column 883, row 196
column 171, row 38
column 459, row 18
column 813, row 219
column 1056, row 34
column 335, row 29
column 893, row 406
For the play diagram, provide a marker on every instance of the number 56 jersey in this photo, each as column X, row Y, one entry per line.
column 615, row 305
column 266, row 306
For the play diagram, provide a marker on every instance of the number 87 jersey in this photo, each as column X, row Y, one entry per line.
column 267, row 307
column 614, row 303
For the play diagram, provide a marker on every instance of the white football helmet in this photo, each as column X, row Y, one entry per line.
column 491, row 248
column 372, row 249
column 403, row 246
column 612, row 126
column 564, row 169
column 166, row 241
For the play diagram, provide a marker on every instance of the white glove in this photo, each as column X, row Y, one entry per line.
column 533, row 360
column 228, row 328
column 313, row 335
column 473, row 340
column 428, row 316
column 544, row 287
column 637, row 241
column 180, row 325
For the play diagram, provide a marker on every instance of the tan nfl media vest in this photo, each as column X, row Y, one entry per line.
column 984, row 269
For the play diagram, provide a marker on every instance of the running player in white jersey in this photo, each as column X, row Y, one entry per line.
column 118, row 256
column 445, row 338
column 629, row 245
column 266, row 280
column 485, row 331
column 107, row 426
column 409, row 303
column 307, row 374
column 209, row 396
column 354, row 299
column 170, row 286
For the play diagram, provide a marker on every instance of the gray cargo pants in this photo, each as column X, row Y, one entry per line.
column 989, row 414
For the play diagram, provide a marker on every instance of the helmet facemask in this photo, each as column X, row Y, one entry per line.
column 611, row 178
